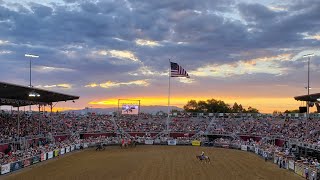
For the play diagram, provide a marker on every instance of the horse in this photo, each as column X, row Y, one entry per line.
column 100, row 147
column 133, row 144
column 124, row 145
column 204, row 158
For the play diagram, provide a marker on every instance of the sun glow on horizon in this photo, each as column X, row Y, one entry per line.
column 264, row 105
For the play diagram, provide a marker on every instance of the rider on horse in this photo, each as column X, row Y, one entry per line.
column 202, row 155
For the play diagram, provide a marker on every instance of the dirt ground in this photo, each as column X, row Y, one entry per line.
column 155, row 163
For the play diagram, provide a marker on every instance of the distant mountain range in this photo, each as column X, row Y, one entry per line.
column 144, row 109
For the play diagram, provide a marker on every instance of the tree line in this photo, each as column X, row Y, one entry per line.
column 216, row 106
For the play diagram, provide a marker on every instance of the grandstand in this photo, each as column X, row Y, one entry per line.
column 282, row 138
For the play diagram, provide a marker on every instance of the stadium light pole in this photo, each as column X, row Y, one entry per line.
column 30, row 56
column 308, row 87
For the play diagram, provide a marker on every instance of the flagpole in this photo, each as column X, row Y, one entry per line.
column 168, row 118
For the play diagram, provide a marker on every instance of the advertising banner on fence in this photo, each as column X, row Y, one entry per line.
column 5, row 168
column 77, row 146
column 196, row 143
column 50, row 154
column 157, row 141
column 291, row 164
column 56, row 153
column 299, row 169
column 243, row 148
column 148, row 141
column 35, row 159
column 27, row 162
column 251, row 148
column 72, row 148
column 172, row 142
column 275, row 160
column 15, row 166
column 256, row 150
column 62, row 150
column 68, row 149
column 85, row 145
column 43, row 156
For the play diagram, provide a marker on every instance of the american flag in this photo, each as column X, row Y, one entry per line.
column 178, row 71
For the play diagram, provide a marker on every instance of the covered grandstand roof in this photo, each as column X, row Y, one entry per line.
column 310, row 98
column 17, row 95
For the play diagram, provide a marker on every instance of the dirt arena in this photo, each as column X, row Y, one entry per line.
column 153, row 163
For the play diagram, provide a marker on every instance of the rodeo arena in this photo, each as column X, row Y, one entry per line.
column 125, row 145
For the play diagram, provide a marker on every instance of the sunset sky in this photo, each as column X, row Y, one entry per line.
column 101, row 50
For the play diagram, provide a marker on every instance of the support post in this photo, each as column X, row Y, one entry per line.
column 168, row 118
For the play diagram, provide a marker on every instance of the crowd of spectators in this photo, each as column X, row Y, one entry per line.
column 59, row 123
column 40, row 125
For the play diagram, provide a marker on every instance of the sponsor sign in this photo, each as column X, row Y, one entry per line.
column 77, row 146
column 172, row 142
column 68, row 149
column 196, row 143
column 243, row 148
column 62, row 151
column 251, row 148
column 15, row 166
column 157, row 141
column 275, row 160
column 225, row 146
column 50, row 155
column 148, row 142
column 27, row 162
column 72, row 148
column 291, row 165
column 56, row 153
column 35, row 159
column 210, row 114
column 43, row 156
column 299, row 169
column 85, row 145
column 5, row 168
column 256, row 150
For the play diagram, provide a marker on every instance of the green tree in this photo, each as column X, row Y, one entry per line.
column 292, row 111
column 191, row 106
column 252, row 110
column 202, row 106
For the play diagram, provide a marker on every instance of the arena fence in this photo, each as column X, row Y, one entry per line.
column 286, row 162
column 15, row 166
column 305, row 170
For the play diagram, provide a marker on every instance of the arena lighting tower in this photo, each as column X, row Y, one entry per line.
column 30, row 56
column 308, row 87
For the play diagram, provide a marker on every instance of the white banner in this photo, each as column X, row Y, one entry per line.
column 172, row 142
column 68, row 149
column 210, row 114
column 77, row 146
column 43, row 156
column 291, row 164
column 62, row 150
column 148, row 141
column 85, row 145
column 244, row 147
column 72, row 148
column 256, row 150
column 50, row 154
column 5, row 168
column 157, row 141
